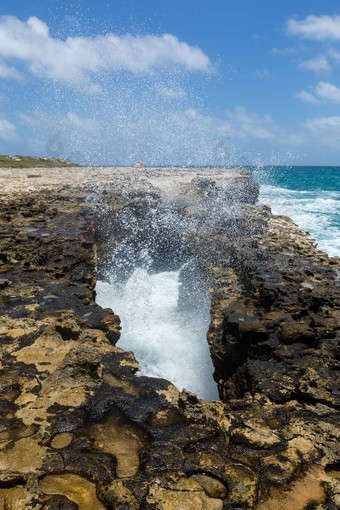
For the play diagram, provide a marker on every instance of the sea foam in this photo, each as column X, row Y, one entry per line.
column 317, row 211
column 168, row 340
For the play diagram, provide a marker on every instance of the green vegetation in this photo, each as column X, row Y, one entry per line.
column 33, row 162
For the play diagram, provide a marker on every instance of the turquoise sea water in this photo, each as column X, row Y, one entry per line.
column 309, row 195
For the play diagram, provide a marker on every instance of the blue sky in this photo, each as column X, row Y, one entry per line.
column 213, row 83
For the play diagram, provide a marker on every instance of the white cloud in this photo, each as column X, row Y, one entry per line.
column 261, row 127
column 70, row 120
column 316, row 64
column 9, row 72
column 7, row 130
column 334, row 54
column 314, row 132
column 84, row 124
column 171, row 93
column 193, row 120
column 35, row 119
column 284, row 51
column 192, row 133
column 252, row 124
column 307, row 97
column 328, row 91
column 324, row 130
column 264, row 73
column 324, row 91
column 239, row 124
column 316, row 27
column 74, row 60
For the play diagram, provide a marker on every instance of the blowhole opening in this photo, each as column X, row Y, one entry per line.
column 154, row 283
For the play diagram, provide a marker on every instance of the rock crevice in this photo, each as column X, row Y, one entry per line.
column 78, row 427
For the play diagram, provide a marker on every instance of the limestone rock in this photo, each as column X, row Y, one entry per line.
column 79, row 429
column 256, row 436
column 212, row 487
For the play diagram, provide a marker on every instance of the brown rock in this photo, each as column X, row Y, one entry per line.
column 212, row 487
column 256, row 436
column 297, row 332
column 117, row 496
column 80, row 429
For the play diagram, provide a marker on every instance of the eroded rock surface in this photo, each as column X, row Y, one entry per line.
column 80, row 430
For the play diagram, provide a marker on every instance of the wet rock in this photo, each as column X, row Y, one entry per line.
column 186, row 494
column 74, row 488
column 3, row 283
column 79, row 429
column 242, row 484
column 117, row 496
column 212, row 487
column 210, row 463
column 59, row 503
column 279, row 468
column 256, row 436
column 62, row 440
column 297, row 332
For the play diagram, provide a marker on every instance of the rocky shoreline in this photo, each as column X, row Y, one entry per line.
column 80, row 428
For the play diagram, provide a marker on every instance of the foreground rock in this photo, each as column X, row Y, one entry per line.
column 79, row 428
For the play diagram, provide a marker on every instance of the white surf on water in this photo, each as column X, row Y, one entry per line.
column 168, row 342
column 316, row 211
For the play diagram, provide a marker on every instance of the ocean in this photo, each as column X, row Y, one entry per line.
column 308, row 195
